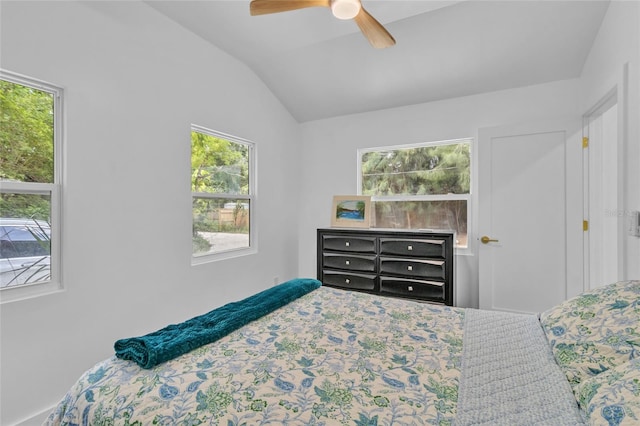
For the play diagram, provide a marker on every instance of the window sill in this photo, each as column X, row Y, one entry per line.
column 214, row 257
column 10, row 295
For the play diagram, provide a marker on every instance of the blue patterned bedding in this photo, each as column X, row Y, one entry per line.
column 330, row 357
column 595, row 338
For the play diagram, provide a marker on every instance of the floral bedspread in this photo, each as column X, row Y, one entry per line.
column 330, row 357
column 595, row 338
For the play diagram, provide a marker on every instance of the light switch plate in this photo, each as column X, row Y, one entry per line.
column 634, row 229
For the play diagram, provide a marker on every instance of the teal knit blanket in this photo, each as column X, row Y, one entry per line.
column 176, row 339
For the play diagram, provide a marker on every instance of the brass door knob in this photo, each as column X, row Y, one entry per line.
column 487, row 240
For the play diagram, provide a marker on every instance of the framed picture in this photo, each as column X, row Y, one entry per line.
column 351, row 211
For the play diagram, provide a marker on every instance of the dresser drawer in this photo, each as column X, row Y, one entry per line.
column 349, row 281
column 413, row 247
column 350, row 262
column 349, row 244
column 410, row 288
column 413, row 267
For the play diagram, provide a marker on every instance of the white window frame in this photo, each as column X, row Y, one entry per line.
column 197, row 259
column 438, row 197
column 53, row 190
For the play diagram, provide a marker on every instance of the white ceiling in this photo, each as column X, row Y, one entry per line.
column 319, row 66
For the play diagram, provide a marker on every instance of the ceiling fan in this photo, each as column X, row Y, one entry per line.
column 377, row 35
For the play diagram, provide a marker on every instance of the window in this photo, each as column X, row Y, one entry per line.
column 223, row 195
column 421, row 186
column 30, row 180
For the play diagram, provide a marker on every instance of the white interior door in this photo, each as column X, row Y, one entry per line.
column 530, row 203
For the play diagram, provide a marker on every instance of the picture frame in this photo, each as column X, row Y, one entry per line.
column 351, row 211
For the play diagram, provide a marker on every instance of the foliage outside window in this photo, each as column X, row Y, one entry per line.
column 421, row 186
column 30, row 139
column 222, row 189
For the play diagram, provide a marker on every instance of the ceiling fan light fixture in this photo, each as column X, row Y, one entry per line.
column 345, row 9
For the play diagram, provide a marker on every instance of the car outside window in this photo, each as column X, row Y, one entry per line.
column 25, row 252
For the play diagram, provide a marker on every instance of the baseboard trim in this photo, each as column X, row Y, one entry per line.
column 36, row 419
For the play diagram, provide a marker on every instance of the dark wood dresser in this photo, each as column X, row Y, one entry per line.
column 400, row 263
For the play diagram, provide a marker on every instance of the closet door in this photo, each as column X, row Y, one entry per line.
column 530, row 216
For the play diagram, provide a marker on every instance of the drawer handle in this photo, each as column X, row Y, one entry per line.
column 410, row 288
column 346, row 243
column 409, row 268
column 346, row 262
column 347, row 281
column 409, row 248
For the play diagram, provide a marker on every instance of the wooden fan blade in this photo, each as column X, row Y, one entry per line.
column 263, row 7
column 373, row 30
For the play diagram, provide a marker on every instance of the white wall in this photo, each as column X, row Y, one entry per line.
column 330, row 149
column 134, row 82
column 614, row 63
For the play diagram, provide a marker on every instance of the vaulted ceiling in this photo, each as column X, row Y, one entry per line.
column 319, row 66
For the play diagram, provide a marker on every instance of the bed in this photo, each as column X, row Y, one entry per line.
column 331, row 356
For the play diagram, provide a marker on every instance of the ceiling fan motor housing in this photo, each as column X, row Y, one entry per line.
column 345, row 9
